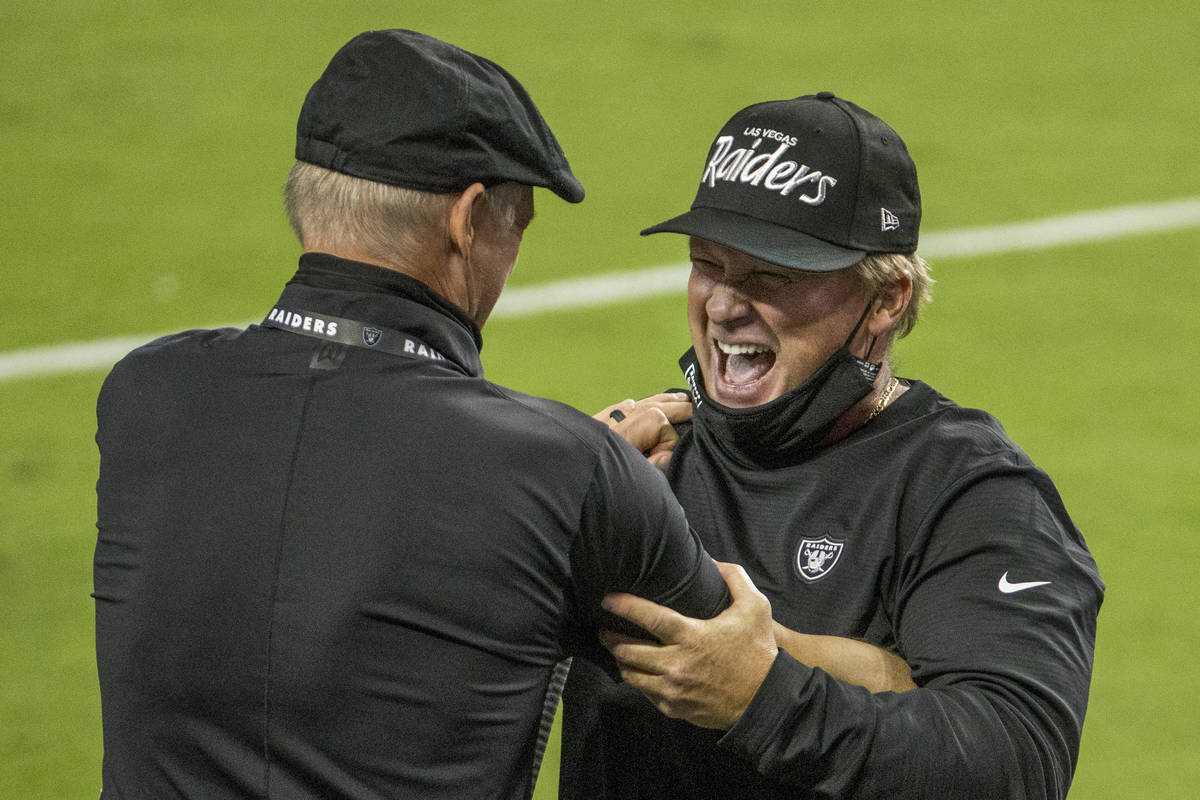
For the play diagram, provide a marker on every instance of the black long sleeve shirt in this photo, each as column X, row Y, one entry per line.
column 328, row 571
column 927, row 531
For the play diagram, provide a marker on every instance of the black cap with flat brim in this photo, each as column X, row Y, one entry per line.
column 761, row 239
column 402, row 108
column 814, row 183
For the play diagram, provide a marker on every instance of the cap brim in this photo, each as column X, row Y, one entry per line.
column 568, row 187
column 766, row 240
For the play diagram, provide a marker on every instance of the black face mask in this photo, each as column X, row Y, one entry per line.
column 795, row 424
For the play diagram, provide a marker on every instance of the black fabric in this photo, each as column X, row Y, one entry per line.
column 353, row 578
column 926, row 508
column 790, row 427
column 403, row 108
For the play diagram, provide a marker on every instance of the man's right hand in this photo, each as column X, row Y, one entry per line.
column 648, row 424
column 704, row 671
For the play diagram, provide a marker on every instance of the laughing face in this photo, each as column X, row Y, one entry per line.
column 760, row 329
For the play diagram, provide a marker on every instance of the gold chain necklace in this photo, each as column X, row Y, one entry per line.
column 883, row 399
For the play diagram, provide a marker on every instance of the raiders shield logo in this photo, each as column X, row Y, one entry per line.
column 371, row 336
column 816, row 557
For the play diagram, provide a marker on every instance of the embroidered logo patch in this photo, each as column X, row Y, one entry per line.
column 371, row 336
column 816, row 557
column 767, row 171
column 887, row 220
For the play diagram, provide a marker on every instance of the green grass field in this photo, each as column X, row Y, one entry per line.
column 145, row 145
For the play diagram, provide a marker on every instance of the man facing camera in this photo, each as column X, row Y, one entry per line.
column 867, row 508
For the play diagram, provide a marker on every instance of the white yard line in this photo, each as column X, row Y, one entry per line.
column 616, row 287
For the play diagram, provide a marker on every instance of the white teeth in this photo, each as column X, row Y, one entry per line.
column 741, row 349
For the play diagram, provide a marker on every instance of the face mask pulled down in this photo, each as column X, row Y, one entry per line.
column 793, row 425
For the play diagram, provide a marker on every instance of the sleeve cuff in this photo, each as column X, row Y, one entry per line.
column 779, row 698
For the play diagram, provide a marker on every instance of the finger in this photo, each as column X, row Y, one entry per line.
column 611, row 639
column 676, row 410
column 659, row 621
column 646, row 429
column 625, row 406
column 667, row 397
column 663, row 397
column 676, row 405
column 736, row 579
column 649, row 684
column 741, row 588
column 634, row 654
column 660, row 454
column 660, row 459
column 667, row 439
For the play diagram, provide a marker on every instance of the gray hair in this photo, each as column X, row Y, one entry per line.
column 877, row 271
column 389, row 222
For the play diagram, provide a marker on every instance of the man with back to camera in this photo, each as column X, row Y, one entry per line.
column 333, row 560
column 862, row 505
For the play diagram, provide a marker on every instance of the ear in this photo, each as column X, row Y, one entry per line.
column 462, row 220
column 890, row 305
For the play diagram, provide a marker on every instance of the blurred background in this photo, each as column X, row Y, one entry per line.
column 145, row 145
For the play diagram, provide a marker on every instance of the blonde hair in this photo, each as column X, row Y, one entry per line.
column 878, row 271
column 389, row 222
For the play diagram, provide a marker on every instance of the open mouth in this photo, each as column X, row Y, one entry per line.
column 741, row 366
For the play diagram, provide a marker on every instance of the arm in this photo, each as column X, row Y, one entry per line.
column 633, row 537
column 858, row 663
column 707, row 671
column 1004, row 676
column 704, row 671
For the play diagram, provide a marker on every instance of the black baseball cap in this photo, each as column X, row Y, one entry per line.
column 813, row 183
column 406, row 109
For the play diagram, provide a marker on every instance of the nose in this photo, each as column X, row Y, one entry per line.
column 725, row 304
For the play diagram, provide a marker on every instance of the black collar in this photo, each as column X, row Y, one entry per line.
column 327, row 284
column 323, row 271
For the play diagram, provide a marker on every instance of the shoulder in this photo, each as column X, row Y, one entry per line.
column 956, row 460
column 177, row 344
column 159, row 353
column 936, row 452
column 934, row 431
column 548, row 418
column 617, row 470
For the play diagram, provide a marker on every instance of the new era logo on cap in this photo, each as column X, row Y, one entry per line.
column 887, row 220
column 814, row 183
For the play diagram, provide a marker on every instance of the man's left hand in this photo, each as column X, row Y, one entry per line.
column 703, row 671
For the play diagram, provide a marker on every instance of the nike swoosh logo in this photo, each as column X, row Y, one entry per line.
column 1008, row 587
